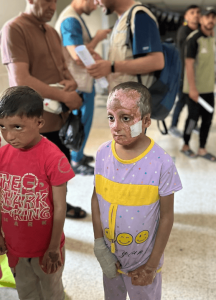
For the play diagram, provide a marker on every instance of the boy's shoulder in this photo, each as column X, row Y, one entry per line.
column 49, row 149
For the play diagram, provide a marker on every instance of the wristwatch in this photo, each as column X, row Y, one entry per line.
column 113, row 67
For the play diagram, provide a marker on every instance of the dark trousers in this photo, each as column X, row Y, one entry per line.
column 195, row 110
column 179, row 105
column 54, row 137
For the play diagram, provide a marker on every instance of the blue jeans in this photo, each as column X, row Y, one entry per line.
column 179, row 106
column 87, row 110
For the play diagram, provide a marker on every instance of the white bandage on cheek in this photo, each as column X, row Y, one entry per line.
column 136, row 129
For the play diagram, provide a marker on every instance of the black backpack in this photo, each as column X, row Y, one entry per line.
column 166, row 86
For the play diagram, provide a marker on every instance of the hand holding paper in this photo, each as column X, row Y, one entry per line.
column 88, row 60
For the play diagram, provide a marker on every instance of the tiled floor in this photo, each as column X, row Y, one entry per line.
column 189, row 271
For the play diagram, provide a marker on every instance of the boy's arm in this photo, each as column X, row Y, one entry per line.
column 3, row 248
column 52, row 260
column 145, row 274
column 105, row 258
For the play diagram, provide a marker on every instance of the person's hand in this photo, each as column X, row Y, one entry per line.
column 94, row 54
column 193, row 94
column 51, row 261
column 101, row 34
column 3, row 248
column 106, row 259
column 100, row 68
column 69, row 85
column 72, row 100
column 79, row 62
column 143, row 275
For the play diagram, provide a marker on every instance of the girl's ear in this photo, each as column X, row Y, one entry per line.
column 146, row 120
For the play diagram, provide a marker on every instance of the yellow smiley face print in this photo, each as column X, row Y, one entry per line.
column 142, row 237
column 124, row 239
column 107, row 234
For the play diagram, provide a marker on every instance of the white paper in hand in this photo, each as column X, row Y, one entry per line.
column 204, row 104
column 88, row 60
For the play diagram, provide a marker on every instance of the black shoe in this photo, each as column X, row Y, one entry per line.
column 83, row 169
column 77, row 212
column 87, row 159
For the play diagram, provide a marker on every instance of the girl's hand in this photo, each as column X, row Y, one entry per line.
column 143, row 275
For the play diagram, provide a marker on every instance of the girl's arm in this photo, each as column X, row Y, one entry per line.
column 104, row 256
column 145, row 274
column 98, row 231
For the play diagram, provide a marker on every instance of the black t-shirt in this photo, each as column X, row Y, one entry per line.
column 182, row 34
column 191, row 48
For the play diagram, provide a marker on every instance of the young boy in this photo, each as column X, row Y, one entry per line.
column 33, row 176
column 132, row 204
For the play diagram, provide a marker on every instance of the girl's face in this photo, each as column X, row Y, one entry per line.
column 123, row 112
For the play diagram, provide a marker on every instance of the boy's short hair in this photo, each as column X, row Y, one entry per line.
column 192, row 6
column 144, row 103
column 21, row 101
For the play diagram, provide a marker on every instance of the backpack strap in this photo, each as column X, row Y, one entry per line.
column 165, row 131
column 129, row 36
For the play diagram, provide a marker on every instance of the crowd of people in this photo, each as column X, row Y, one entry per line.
column 132, row 173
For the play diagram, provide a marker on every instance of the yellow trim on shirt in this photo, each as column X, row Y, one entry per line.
column 126, row 194
column 131, row 161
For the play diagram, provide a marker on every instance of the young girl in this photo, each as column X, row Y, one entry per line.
column 132, row 203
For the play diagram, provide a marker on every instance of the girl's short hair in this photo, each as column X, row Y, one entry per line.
column 144, row 102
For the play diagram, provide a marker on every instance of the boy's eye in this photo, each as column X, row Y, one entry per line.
column 111, row 118
column 2, row 127
column 17, row 127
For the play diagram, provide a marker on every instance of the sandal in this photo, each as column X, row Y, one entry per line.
column 209, row 157
column 189, row 153
column 79, row 213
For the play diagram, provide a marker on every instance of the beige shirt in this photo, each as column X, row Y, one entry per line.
column 25, row 39
column 119, row 52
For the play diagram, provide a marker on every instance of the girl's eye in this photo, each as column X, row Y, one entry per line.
column 111, row 118
column 126, row 119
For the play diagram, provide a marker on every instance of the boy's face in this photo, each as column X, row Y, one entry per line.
column 108, row 6
column 89, row 6
column 123, row 112
column 192, row 16
column 208, row 21
column 21, row 132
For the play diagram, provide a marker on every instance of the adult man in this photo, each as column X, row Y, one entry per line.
column 191, row 17
column 32, row 53
column 73, row 31
column 199, row 79
column 146, row 49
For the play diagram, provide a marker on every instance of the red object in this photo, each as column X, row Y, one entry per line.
column 26, row 179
